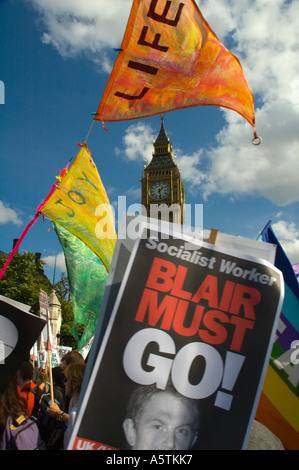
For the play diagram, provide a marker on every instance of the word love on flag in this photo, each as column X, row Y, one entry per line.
column 171, row 59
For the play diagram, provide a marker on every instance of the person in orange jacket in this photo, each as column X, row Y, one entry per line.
column 26, row 386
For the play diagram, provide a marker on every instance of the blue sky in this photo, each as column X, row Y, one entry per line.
column 55, row 60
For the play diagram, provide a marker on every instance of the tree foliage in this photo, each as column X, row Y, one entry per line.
column 23, row 280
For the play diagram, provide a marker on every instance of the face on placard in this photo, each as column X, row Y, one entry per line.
column 166, row 422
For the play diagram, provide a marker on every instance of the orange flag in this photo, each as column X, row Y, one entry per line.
column 170, row 59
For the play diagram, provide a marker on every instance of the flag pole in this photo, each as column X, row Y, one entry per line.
column 51, row 376
column 49, row 348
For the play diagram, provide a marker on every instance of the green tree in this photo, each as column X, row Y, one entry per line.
column 23, row 280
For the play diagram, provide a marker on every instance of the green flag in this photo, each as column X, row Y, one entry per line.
column 87, row 278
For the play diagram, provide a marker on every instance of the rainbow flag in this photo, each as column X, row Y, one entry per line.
column 278, row 408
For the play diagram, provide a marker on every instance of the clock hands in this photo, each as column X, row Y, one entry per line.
column 159, row 190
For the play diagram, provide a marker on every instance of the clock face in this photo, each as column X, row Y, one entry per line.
column 159, row 190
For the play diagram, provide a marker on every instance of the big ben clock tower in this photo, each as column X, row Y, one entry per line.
column 162, row 189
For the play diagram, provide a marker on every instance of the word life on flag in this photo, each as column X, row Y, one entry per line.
column 171, row 59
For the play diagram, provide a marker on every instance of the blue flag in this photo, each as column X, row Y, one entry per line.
column 282, row 262
column 279, row 402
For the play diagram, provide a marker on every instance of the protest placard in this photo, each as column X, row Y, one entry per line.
column 57, row 354
column 198, row 317
column 19, row 329
column 43, row 358
column 130, row 228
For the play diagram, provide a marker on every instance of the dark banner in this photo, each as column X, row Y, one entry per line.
column 19, row 330
column 184, row 354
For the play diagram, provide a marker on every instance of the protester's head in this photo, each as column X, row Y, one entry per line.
column 161, row 419
column 25, row 373
column 43, row 375
column 58, row 376
column 71, row 357
column 74, row 374
column 11, row 404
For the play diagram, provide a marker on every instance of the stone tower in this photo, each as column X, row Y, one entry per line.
column 55, row 314
column 162, row 188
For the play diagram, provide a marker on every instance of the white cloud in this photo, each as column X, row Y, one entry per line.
column 74, row 27
column 188, row 164
column 137, row 141
column 270, row 169
column 8, row 215
column 265, row 39
column 288, row 236
column 134, row 193
column 59, row 259
column 285, row 231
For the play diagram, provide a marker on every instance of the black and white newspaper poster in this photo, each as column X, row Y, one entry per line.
column 184, row 355
column 19, row 330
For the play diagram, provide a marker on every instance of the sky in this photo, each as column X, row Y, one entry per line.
column 55, row 60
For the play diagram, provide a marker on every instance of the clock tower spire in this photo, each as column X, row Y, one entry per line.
column 162, row 189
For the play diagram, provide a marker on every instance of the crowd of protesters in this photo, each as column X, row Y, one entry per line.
column 28, row 418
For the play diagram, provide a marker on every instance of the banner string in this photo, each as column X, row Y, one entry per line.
column 89, row 131
column 32, row 222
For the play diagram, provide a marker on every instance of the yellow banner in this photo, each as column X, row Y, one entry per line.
column 171, row 59
column 81, row 206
